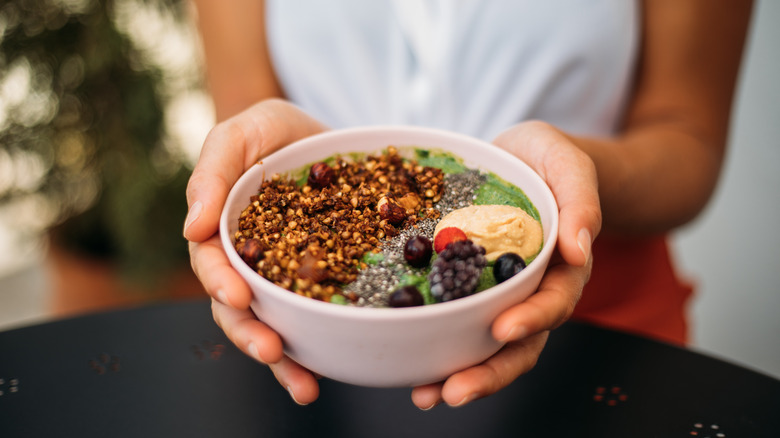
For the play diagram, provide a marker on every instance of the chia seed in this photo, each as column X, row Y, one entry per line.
column 459, row 190
column 374, row 284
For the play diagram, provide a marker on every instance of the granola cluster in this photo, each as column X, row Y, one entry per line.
column 311, row 239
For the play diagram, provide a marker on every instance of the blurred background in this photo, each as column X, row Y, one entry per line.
column 102, row 114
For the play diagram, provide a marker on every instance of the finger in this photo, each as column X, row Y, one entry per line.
column 571, row 176
column 251, row 336
column 258, row 341
column 299, row 382
column 232, row 147
column 548, row 308
column 428, row 396
column 498, row 371
column 213, row 269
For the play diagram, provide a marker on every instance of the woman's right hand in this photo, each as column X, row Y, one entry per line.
column 229, row 150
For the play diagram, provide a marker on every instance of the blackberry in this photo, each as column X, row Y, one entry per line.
column 456, row 271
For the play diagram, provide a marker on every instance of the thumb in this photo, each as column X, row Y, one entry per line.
column 230, row 149
column 571, row 176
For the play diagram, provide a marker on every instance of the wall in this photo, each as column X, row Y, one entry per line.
column 733, row 250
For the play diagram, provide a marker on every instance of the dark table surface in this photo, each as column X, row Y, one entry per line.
column 168, row 371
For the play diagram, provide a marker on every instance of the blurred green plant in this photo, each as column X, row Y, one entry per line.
column 82, row 126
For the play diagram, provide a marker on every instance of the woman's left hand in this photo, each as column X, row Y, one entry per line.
column 571, row 176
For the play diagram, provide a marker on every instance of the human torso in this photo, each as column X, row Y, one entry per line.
column 475, row 67
column 478, row 67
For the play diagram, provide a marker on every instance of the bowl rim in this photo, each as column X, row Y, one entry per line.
column 372, row 313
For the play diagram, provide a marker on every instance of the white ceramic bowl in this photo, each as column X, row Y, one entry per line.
column 389, row 347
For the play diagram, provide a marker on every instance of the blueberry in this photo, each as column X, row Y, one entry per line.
column 418, row 251
column 407, row 296
column 507, row 265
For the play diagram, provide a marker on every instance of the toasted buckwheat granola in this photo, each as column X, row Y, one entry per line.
column 311, row 239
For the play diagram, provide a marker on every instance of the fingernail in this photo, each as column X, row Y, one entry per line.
column 584, row 242
column 192, row 215
column 515, row 333
column 292, row 395
column 222, row 297
column 467, row 399
column 252, row 349
column 436, row 403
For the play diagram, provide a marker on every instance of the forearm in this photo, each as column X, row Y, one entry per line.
column 662, row 167
column 238, row 65
column 653, row 179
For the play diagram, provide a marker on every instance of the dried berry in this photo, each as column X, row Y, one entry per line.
column 455, row 273
column 391, row 211
column 418, row 251
column 321, row 175
column 251, row 251
column 311, row 267
column 506, row 266
column 407, row 296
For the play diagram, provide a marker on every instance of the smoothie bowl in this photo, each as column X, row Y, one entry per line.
column 382, row 255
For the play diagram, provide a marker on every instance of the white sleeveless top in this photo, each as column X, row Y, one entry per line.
column 475, row 67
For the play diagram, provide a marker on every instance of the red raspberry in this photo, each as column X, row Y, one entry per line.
column 445, row 236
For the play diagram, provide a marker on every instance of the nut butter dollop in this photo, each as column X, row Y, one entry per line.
column 498, row 228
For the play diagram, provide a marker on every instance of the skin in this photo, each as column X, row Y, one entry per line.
column 668, row 155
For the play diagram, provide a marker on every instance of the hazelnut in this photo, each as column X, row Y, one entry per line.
column 409, row 201
column 321, row 175
column 391, row 211
column 251, row 251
